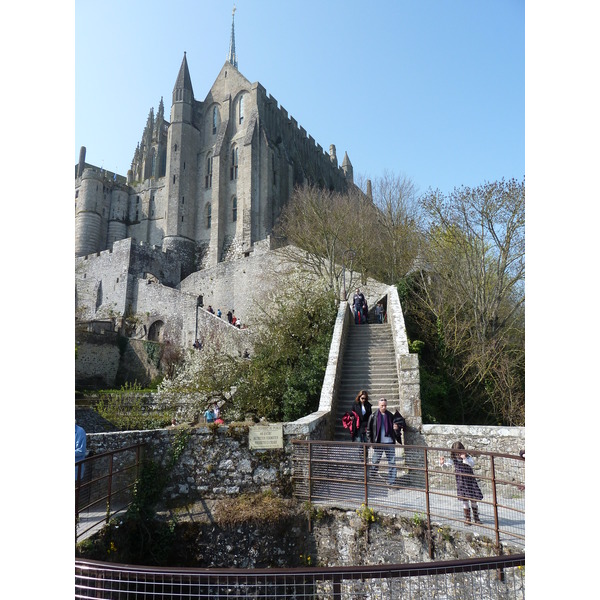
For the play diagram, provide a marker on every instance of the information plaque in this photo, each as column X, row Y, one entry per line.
column 266, row 437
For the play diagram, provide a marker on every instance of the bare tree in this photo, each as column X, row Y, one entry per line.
column 398, row 218
column 326, row 225
column 474, row 285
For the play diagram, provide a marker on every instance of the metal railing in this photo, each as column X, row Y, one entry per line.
column 343, row 475
column 104, row 487
column 470, row 579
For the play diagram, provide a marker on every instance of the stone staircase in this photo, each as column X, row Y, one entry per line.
column 369, row 364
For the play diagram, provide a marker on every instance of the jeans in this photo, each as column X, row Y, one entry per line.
column 390, row 452
column 361, row 436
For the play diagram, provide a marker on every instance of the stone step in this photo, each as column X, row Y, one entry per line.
column 369, row 363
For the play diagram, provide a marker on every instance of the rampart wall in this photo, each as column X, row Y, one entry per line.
column 296, row 137
column 101, row 282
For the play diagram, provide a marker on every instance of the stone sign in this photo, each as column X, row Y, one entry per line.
column 266, row 437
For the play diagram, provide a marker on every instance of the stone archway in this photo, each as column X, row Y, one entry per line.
column 156, row 331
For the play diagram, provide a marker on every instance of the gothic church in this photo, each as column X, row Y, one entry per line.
column 211, row 181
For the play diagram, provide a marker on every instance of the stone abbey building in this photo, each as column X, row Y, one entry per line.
column 204, row 191
column 209, row 182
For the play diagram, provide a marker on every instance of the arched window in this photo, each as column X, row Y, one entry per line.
column 233, row 170
column 234, row 209
column 241, row 110
column 215, row 115
column 208, row 178
column 208, row 215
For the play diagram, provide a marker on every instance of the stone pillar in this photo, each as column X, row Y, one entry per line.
column 410, row 390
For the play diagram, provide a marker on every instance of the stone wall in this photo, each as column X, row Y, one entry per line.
column 97, row 360
column 507, row 440
column 218, row 460
column 343, row 538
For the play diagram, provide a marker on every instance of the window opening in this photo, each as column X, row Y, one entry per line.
column 208, row 215
column 208, row 178
column 233, row 172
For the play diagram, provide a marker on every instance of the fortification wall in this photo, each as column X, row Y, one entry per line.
column 156, row 302
column 316, row 162
column 97, row 360
column 242, row 284
column 101, row 282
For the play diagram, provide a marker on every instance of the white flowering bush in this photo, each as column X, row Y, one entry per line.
column 201, row 379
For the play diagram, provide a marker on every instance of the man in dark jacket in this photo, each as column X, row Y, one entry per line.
column 381, row 429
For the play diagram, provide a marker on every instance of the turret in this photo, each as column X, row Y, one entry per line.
column 332, row 155
column 81, row 164
column 182, row 150
column 347, row 168
column 183, row 95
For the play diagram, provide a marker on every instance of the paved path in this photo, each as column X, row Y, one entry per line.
column 444, row 507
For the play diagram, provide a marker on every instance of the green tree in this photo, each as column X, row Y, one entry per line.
column 285, row 374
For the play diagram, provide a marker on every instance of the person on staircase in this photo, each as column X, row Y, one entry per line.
column 381, row 429
column 363, row 408
column 467, row 489
column 357, row 303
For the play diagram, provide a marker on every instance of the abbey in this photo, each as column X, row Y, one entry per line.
column 194, row 216
column 209, row 182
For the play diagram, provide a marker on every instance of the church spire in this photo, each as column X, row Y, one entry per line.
column 184, row 81
column 232, row 57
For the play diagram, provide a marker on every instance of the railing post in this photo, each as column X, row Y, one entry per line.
column 429, row 534
column 495, row 500
column 77, row 494
column 309, row 486
column 366, row 472
column 109, row 491
column 336, row 581
column 499, row 572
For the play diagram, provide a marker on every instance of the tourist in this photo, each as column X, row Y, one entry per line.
column 209, row 415
column 379, row 312
column 219, row 313
column 364, row 312
column 211, row 310
column 80, row 449
column 381, row 429
column 357, row 303
column 362, row 407
column 467, row 489
column 230, row 316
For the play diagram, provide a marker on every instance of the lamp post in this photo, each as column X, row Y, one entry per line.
column 352, row 254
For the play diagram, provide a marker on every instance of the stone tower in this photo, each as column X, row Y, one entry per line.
column 182, row 149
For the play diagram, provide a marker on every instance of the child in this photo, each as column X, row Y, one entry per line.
column 467, row 489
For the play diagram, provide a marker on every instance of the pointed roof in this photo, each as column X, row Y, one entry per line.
column 184, row 81
column 232, row 56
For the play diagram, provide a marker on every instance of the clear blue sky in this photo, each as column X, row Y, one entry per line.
column 430, row 89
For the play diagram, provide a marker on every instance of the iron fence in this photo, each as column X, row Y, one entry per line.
column 501, row 577
column 412, row 481
column 104, row 486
